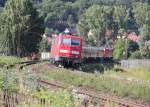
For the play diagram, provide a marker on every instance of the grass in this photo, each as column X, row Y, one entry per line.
column 26, row 82
column 9, row 60
column 99, row 82
column 60, row 98
column 8, row 80
column 103, row 82
column 95, row 67
column 141, row 74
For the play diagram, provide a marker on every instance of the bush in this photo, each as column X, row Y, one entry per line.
column 60, row 98
column 44, row 45
column 8, row 80
column 136, row 55
column 119, row 49
column 92, row 68
column 145, row 51
column 118, row 69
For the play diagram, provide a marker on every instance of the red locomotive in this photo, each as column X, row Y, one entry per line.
column 68, row 50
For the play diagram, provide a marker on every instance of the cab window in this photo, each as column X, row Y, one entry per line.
column 66, row 41
column 75, row 42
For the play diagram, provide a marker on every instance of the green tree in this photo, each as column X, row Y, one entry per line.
column 58, row 14
column 142, row 16
column 18, row 24
column 83, row 28
column 145, row 36
column 120, row 15
column 99, row 19
column 44, row 45
column 119, row 49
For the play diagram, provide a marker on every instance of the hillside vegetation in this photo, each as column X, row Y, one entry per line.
column 100, row 22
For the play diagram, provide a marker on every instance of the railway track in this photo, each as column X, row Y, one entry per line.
column 93, row 95
column 27, row 63
column 82, row 92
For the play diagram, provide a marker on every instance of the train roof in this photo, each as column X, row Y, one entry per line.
column 70, row 36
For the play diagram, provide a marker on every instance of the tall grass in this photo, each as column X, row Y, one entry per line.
column 26, row 82
column 141, row 73
column 99, row 82
column 9, row 60
column 138, row 73
column 60, row 98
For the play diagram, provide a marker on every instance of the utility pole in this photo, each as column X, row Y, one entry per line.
column 126, row 48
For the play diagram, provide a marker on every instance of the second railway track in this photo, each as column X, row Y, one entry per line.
column 93, row 95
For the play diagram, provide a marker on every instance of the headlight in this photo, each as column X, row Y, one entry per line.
column 75, row 52
column 64, row 51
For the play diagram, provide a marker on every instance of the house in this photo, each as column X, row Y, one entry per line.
column 132, row 36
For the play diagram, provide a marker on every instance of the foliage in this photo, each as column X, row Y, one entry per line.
column 144, row 35
column 141, row 14
column 126, row 18
column 8, row 80
column 133, row 46
column 120, row 15
column 99, row 68
column 9, row 60
column 29, row 81
column 56, row 98
column 136, row 55
column 83, row 29
column 19, row 21
column 98, row 17
column 119, row 49
column 133, row 49
column 99, row 82
column 44, row 45
column 145, row 52
column 13, row 81
column 58, row 14
column 97, row 20
column 138, row 73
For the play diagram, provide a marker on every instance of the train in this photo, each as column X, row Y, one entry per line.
column 69, row 50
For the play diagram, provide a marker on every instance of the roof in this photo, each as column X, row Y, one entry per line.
column 132, row 36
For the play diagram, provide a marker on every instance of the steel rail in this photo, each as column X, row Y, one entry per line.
column 118, row 101
column 104, row 98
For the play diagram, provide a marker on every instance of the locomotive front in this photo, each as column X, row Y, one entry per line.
column 67, row 50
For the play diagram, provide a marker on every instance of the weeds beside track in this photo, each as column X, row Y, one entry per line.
column 92, row 95
column 101, row 97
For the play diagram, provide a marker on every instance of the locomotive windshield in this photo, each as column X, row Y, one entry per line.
column 66, row 41
column 71, row 41
column 75, row 42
